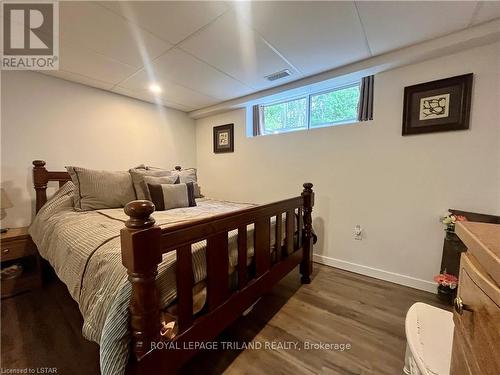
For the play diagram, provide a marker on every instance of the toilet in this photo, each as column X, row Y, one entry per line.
column 429, row 338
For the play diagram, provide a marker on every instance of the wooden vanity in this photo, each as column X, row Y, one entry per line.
column 476, row 340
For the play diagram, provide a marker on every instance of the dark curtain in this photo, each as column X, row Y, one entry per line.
column 256, row 120
column 365, row 110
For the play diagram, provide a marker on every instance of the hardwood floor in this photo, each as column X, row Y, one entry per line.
column 43, row 329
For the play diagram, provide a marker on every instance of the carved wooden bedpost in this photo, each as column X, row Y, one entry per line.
column 40, row 180
column 306, row 264
column 140, row 245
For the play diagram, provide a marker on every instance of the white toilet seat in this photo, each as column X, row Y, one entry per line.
column 429, row 336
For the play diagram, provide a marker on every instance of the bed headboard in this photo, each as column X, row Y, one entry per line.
column 41, row 177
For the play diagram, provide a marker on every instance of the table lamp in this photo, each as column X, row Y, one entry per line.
column 4, row 203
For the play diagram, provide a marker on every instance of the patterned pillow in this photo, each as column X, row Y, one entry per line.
column 140, row 186
column 186, row 175
column 96, row 189
column 169, row 196
column 189, row 175
column 152, row 180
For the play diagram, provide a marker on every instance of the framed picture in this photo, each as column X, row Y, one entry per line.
column 438, row 106
column 224, row 138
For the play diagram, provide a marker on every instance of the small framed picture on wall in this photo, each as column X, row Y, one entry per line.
column 438, row 106
column 224, row 138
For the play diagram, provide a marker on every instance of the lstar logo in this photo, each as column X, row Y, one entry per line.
column 30, row 35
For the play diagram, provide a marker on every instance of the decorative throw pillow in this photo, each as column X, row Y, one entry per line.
column 197, row 190
column 169, row 196
column 140, row 186
column 189, row 175
column 152, row 180
column 97, row 189
column 186, row 175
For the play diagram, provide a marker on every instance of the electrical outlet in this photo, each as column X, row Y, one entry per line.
column 358, row 231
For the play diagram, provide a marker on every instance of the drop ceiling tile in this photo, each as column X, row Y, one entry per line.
column 98, row 29
column 186, row 70
column 313, row 36
column 488, row 10
column 170, row 91
column 149, row 97
column 169, row 20
column 74, row 77
column 92, row 65
column 230, row 45
column 391, row 25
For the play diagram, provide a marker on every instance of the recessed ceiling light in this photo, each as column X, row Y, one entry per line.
column 155, row 88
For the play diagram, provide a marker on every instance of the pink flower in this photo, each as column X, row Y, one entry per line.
column 446, row 279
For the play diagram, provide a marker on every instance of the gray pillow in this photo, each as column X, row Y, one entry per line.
column 189, row 175
column 140, row 187
column 186, row 175
column 152, row 180
column 97, row 189
column 169, row 196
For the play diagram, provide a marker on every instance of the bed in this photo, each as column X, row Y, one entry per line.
column 144, row 278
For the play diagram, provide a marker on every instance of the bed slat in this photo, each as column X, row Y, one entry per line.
column 289, row 231
column 300, row 225
column 278, row 236
column 242, row 257
column 217, row 270
column 262, row 245
column 185, row 281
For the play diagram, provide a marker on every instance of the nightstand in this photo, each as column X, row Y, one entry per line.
column 19, row 252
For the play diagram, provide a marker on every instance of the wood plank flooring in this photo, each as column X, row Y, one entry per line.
column 43, row 329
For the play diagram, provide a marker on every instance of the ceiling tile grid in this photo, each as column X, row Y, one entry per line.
column 486, row 11
column 93, row 65
column 170, row 92
column 78, row 78
column 86, row 24
column 203, row 52
column 313, row 36
column 178, row 67
column 150, row 97
column 233, row 47
column 390, row 25
column 172, row 21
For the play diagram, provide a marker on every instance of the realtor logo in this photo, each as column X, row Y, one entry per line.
column 30, row 36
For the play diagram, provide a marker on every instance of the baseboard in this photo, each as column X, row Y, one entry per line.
column 397, row 278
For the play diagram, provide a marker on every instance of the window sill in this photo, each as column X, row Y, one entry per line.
column 338, row 124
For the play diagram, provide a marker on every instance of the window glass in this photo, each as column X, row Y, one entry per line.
column 286, row 116
column 335, row 106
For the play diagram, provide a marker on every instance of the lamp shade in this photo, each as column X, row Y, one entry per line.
column 4, row 200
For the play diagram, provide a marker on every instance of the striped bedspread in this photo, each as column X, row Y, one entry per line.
column 84, row 250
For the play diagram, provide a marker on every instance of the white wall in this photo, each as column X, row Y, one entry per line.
column 395, row 187
column 66, row 123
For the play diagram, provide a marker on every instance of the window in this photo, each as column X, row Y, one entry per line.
column 329, row 108
column 286, row 116
column 334, row 107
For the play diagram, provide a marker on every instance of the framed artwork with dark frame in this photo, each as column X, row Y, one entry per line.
column 438, row 106
column 224, row 138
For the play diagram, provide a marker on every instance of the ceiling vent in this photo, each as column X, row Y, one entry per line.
column 278, row 75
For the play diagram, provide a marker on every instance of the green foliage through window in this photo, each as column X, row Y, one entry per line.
column 285, row 116
column 335, row 106
column 316, row 110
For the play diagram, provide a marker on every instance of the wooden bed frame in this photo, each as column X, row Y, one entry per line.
column 142, row 246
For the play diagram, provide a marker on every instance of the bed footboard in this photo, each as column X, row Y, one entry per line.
column 143, row 244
